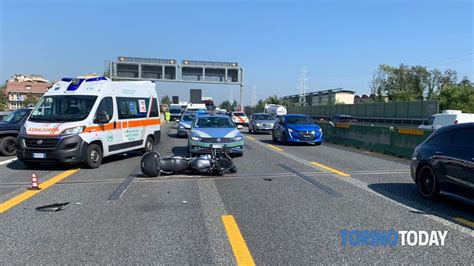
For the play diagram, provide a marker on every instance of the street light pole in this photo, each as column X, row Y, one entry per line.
column 242, row 109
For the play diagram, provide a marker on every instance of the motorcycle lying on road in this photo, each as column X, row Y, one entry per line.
column 217, row 163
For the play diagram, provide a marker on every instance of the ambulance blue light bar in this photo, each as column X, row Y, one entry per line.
column 96, row 79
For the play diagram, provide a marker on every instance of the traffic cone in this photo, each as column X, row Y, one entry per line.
column 34, row 182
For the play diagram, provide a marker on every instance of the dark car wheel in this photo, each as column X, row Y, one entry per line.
column 93, row 156
column 284, row 139
column 8, row 146
column 274, row 139
column 427, row 182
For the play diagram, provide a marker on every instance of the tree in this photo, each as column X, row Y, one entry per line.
column 274, row 100
column 408, row 83
column 30, row 100
column 226, row 105
column 458, row 96
column 3, row 98
column 166, row 100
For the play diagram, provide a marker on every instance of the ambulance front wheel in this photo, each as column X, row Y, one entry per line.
column 149, row 144
column 93, row 156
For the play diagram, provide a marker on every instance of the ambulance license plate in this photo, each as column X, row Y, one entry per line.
column 217, row 146
column 39, row 155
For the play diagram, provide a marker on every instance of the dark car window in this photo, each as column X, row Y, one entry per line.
column 213, row 122
column 429, row 122
column 442, row 139
column 299, row 120
column 263, row 117
column 464, row 138
column 15, row 116
column 107, row 106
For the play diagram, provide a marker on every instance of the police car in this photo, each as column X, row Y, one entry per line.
column 215, row 131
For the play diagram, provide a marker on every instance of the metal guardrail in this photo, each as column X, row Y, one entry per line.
column 391, row 113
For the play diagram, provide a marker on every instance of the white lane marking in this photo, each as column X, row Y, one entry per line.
column 7, row 161
column 364, row 186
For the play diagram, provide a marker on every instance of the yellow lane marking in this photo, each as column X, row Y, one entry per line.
column 464, row 221
column 252, row 138
column 5, row 206
column 239, row 247
column 274, row 147
column 330, row 169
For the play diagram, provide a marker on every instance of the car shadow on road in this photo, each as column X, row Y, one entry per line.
column 407, row 194
column 17, row 165
column 175, row 136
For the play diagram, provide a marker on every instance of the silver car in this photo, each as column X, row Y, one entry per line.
column 261, row 123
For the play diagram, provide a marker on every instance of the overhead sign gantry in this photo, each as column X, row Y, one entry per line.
column 169, row 70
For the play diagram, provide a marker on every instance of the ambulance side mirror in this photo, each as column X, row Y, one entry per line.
column 102, row 118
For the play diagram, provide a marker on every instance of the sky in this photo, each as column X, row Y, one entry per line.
column 340, row 43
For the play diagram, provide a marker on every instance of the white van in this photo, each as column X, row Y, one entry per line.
column 196, row 107
column 84, row 120
column 446, row 118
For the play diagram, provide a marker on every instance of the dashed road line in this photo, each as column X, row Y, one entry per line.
column 330, row 169
column 5, row 206
column 364, row 186
column 274, row 147
column 239, row 247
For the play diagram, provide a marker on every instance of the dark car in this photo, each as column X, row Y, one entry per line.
column 297, row 128
column 343, row 119
column 9, row 129
column 445, row 162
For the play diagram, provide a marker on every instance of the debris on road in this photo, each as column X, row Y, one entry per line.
column 52, row 207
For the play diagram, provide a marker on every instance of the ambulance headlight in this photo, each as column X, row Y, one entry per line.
column 72, row 131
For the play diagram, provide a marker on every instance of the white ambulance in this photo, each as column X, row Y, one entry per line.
column 83, row 120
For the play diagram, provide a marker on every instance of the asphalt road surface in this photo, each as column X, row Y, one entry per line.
column 286, row 204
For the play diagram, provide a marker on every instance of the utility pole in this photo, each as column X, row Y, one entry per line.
column 303, row 80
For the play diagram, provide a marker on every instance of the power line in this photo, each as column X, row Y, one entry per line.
column 448, row 58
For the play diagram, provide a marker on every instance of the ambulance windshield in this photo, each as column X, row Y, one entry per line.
column 63, row 108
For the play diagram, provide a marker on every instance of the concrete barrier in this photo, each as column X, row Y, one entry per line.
column 382, row 139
